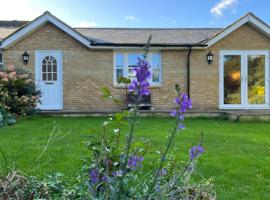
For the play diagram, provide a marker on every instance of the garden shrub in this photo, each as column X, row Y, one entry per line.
column 18, row 94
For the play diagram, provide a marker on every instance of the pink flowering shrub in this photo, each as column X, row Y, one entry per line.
column 18, row 94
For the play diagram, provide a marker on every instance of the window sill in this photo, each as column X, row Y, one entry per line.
column 123, row 86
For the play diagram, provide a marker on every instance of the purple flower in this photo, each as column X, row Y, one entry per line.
column 195, row 152
column 94, row 175
column 181, row 126
column 181, row 117
column 104, row 178
column 163, row 172
column 177, row 100
column 183, row 103
column 173, row 113
column 134, row 162
column 141, row 86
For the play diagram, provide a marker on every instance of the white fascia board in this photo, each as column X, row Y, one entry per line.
column 38, row 23
column 247, row 19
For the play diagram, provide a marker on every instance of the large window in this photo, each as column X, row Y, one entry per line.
column 124, row 62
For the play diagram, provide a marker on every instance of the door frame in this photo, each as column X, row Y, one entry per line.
column 59, row 76
column 244, row 73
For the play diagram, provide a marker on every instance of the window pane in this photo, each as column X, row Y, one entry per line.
column 49, row 76
column 119, row 73
column 54, row 68
column 44, row 78
column 232, row 79
column 256, row 79
column 156, row 60
column 55, row 76
column 119, row 60
column 155, row 75
column 133, row 59
column 49, row 67
column 131, row 73
column 44, row 68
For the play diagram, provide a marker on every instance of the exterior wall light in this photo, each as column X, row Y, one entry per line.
column 209, row 57
column 25, row 57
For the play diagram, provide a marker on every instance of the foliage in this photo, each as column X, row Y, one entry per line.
column 18, row 186
column 18, row 95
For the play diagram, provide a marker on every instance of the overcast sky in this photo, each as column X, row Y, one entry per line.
column 137, row 13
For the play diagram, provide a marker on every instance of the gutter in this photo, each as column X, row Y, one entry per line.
column 94, row 44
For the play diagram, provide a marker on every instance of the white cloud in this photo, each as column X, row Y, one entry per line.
column 218, row 9
column 85, row 23
column 19, row 10
column 131, row 18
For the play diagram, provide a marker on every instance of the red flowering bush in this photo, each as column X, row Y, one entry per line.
column 18, row 94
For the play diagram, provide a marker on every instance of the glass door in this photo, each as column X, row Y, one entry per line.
column 244, row 79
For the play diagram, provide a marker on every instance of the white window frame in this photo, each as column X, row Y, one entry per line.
column 125, row 67
column 244, row 73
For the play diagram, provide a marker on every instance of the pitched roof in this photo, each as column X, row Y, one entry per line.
column 10, row 31
column 8, row 27
column 12, row 23
column 140, row 35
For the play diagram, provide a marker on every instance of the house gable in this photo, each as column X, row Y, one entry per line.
column 249, row 18
column 39, row 22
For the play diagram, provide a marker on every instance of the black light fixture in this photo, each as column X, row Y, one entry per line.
column 25, row 57
column 209, row 57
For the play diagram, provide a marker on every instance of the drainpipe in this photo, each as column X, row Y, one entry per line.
column 188, row 70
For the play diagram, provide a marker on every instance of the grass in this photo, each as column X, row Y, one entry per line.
column 237, row 155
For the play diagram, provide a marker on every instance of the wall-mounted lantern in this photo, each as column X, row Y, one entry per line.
column 209, row 57
column 25, row 57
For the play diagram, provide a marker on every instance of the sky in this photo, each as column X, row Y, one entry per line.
column 138, row 13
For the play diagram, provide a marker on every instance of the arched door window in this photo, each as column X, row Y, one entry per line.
column 49, row 69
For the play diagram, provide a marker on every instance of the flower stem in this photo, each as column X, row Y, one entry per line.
column 173, row 132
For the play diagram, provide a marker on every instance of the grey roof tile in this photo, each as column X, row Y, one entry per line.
column 140, row 36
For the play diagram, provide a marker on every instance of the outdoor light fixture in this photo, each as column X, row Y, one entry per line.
column 209, row 57
column 25, row 58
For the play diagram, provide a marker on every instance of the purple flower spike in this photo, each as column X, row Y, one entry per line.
column 141, row 86
column 94, row 175
column 195, row 152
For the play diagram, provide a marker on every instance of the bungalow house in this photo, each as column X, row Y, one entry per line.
column 220, row 69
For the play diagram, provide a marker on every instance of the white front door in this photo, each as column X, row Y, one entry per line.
column 244, row 79
column 49, row 79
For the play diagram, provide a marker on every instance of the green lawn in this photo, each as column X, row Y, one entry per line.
column 237, row 154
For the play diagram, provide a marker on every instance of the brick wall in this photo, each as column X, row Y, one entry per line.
column 85, row 71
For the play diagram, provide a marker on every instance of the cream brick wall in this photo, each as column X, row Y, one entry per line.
column 86, row 71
